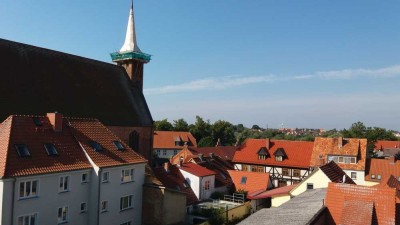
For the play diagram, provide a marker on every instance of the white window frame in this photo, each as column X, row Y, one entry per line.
column 164, row 152
column 278, row 158
column 87, row 178
column 127, row 175
column 104, row 206
column 175, row 152
column 85, row 207
column 130, row 202
column 355, row 175
column 21, row 219
column 30, row 191
column 107, row 174
column 207, row 184
column 63, row 217
column 64, row 183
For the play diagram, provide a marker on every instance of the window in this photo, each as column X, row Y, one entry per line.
column 341, row 159
column 379, row 177
column 354, row 175
column 332, row 158
column 372, row 176
column 85, row 178
column 30, row 219
column 126, row 202
column 63, row 214
column 245, row 167
column 83, row 207
column 260, row 169
column 37, row 122
column 118, row 145
column 243, row 180
column 296, row 172
column 28, row 189
column 50, row 149
column 96, row 146
column 207, row 185
column 278, row 158
column 105, row 177
column 285, row 172
column 22, row 150
column 177, row 143
column 175, row 152
column 127, row 223
column 104, row 206
column 310, row 186
column 253, row 168
column 64, row 183
column 164, row 152
column 261, row 157
column 158, row 152
column 127, row 175
column 282, row 183
column 353, row 160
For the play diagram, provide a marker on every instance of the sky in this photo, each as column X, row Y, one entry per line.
column 296, row 64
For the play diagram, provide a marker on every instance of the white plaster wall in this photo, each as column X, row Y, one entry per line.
column 238, row 166
column 278, row 200
column 113, row 190
column 360, row 176
column 6, row 196
column 205, row 194
column 194, row 182
column 169, row 154
column 50, row 199
column 318, row 179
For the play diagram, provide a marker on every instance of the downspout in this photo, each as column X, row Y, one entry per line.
column 12, row 201
column 98, row 196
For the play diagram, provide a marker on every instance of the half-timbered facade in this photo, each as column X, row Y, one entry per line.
column 287, row 162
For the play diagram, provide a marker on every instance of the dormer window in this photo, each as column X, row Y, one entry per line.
column 50, row 149
column 342, row 159
column 280, row 154
column 262, row 153
column 118, row 145
column 22, row 150
column 279, row 158
column 96, row 146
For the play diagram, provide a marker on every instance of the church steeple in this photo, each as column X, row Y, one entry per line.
column 130, row 56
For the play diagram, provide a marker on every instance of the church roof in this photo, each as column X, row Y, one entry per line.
column 35, row 81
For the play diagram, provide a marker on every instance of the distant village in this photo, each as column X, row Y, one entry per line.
column 78, row 145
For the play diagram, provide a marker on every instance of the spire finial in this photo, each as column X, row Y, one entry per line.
column 130, row 38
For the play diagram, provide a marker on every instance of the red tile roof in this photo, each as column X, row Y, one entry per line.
column 345, row 201
column 254, row 181
column 298, row 153
column 335, row 173
column 22, row 130
column 86, row 130
column 332, row 146
column 174, row 179
column 392, row 182
column 380, row 144
column 225, row 152
column 196, row 170
column 383, row 167
column 274, row 192
column 166, row 139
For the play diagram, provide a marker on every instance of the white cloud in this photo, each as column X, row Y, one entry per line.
column 221, row 83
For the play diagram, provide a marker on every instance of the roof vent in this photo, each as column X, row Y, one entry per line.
column 56, row 120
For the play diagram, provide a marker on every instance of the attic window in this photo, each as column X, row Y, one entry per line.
column 280, row 154
column 262, row 153
column 22, row 150
column 379, row 177
column 118, row 145
column 243, row 181
column 37, row 122
column 372, row 176
column 279, row 158
column 186, row 184
column 96, row 146
column 50, row 149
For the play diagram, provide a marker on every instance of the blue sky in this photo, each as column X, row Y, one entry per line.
column 315, row 64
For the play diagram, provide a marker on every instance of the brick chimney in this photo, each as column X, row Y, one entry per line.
column 392, row 159
column 267, row 143
column 340, row 142
column 56, row 120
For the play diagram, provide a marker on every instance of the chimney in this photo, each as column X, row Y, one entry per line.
column 211, row 155
column 56, row 121
column 340, row 142
column 180, row 161
column 166, row 167
column 267, row 143
column 392, row 159
column 218, row 143
column 201, row 157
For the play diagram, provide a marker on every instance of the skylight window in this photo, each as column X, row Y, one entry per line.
column 96, row 146
column 244, row 180
column 50, row 149
column 37, row 122
column 22, row 150
column 118, row 145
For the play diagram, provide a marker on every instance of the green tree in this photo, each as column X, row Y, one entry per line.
column 200, row 129
column 206, row 142
column 163, row 125
column 224, row 131
column 181, row 125
column 256, row 127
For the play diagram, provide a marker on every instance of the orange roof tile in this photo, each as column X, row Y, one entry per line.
column 331, row 146
column 381, row 144
column 225, row 152
column 356, row 199
column 22, row 130
column 166, row 139
column 253, row 181
column 274, row 192
column 335, row 173
column 382, row 167
column 86, row 130
column 196, row 170
column 298, row 153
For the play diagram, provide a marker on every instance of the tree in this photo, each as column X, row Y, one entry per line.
column 256, row 127
column 163, row 125
column 206, row 142
column 200, row 129
column 224, row 131
column 181, row 125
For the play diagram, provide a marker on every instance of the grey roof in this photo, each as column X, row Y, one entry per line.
column 35, row 81
column 298, row 211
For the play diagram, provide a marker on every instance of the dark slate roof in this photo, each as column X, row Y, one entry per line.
column 35, row 81
column 335, row 173
column 280, row 152
column 263, row 151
